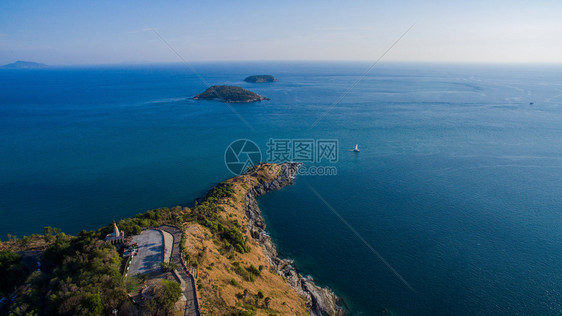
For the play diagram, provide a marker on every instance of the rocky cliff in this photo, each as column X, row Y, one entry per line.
column 320, row 301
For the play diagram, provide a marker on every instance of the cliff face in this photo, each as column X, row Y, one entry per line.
column 320, row 301
column 248, row 277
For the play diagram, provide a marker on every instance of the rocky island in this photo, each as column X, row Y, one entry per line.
column 260, row 79
column 229, row 94
column 24, row 65
column 219, row 257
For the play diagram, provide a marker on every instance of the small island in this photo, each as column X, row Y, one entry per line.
column 229, row 94
column 260, row 79
column 24, row 65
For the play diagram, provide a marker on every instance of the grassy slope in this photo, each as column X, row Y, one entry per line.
column 217, row 268
column 225, row 271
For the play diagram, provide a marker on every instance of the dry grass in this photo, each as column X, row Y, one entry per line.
column 27, row 243
column 221, row 287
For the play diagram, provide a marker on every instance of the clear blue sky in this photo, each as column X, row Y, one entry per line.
column 94, row 32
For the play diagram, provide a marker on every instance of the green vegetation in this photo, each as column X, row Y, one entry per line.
column 229, row 94
column 249, row 273
column 132, row 282
column 221, row 191
column 13, row 272
column 168, row 266
column 176, row 216
column 165, row 294
column 253, row 270
column 207, row 214
column 81, row 277
column 49, row 233
column 236, row 267
column 251, row 302
column 260, row 78
column 152, row 218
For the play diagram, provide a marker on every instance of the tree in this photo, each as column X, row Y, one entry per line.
column 267, row 301
column 168, row 266
column 49, row 233
column 167, row 294
column 79, row 276
column 7, row 258
column 93, row 304
column 13, row 272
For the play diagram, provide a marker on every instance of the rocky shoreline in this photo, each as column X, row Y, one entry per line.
column 320, row 301
column 230, row 94
column 260, row 79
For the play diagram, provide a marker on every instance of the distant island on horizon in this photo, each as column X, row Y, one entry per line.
column 229, row 94
column 260, row 79
column 20, row 64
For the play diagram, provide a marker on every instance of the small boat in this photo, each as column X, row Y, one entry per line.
column 356, row 149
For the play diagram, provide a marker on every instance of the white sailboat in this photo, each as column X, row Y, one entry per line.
column 356, row 149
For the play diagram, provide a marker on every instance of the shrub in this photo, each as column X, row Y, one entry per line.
column 167, row 294
column 243, row 272
column 80, row 275
column 13, row 272
column 223, row 190
column 253, row 270
column 168, row 266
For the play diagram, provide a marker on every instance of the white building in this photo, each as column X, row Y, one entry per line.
column 116, row 237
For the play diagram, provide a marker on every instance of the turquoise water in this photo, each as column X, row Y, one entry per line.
column 457, row 184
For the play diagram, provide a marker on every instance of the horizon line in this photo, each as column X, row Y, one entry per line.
column 139, row 63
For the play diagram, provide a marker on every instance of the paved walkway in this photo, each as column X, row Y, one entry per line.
column 168, row 244
column 192, row 305
column 150, row 252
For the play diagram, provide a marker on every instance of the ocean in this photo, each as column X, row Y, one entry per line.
column 452, row 207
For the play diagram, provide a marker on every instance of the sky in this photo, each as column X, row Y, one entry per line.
column 108, row 32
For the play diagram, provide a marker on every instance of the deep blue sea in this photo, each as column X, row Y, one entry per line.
column 458, row 185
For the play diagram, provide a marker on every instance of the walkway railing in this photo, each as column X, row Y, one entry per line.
column 176, row 254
